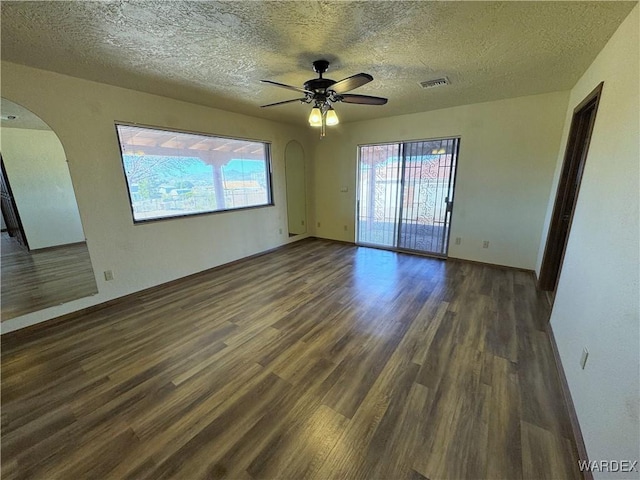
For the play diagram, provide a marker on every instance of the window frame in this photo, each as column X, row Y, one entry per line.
column 269, row 172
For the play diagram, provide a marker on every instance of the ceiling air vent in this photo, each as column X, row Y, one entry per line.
column 436, row 82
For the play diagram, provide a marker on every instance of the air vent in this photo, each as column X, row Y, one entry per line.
column 436, row 82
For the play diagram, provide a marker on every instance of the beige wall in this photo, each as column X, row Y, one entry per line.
column 82, row 114
column 37, row 170
column 597, row 303
column 508, row 152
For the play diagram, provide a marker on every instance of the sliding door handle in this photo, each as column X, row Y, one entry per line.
column 448, row 204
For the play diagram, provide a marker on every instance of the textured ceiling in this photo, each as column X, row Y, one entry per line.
column 215, row 53
column 23, row 118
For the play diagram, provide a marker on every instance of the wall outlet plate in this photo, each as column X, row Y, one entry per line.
column 108, row 275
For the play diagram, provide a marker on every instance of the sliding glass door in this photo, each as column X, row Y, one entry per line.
column 405, row 195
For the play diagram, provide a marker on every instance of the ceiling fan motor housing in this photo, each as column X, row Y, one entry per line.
column 318, row 85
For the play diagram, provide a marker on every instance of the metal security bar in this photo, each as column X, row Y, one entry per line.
column 405, row 195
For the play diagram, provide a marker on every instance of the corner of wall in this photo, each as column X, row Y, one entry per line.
column 597, row 302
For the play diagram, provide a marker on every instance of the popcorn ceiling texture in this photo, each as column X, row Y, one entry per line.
column 215, row 53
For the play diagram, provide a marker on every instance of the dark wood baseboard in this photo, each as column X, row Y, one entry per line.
column 344, row 242
column 43, row 328
column 568, row 400
column 56, row 247
column 495, row 265
column 581, row 449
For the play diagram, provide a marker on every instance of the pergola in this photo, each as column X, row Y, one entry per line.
column 213, row 151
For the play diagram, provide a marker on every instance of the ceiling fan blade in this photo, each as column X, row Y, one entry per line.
column 290, row 87
column 286, row 101
column 350, row 83
column 363, row 99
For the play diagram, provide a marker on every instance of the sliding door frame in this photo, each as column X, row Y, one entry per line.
column 451, row 186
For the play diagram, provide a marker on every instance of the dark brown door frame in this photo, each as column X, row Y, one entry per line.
column 584, row 116
column 10, row 210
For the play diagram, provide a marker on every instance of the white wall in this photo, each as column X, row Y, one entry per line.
column 508, row 152
column 37, row 169
column 82, row 113
column 596, row 303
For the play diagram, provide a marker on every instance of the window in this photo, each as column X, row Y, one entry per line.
column 173, row 174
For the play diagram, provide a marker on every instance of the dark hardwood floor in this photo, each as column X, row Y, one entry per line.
column 320, row 360
column 35, row 280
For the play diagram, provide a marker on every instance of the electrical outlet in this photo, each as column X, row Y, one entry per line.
column 280, row 231
column 346, row 228
column 302, row 222
column 583, row 357
column 485, row 244
column 318, row 224
column 458, row 240
column 108, row 275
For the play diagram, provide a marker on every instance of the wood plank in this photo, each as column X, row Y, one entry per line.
column 319, row 360
column 545, row 455
column 504, row 421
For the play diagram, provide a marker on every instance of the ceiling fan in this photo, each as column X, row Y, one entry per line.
column 323, row 92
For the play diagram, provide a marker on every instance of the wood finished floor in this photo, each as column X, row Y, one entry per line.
column 35, row 280
column 320, row 360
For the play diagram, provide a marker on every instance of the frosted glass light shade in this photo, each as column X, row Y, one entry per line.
column 332, row 117
column 315, row 117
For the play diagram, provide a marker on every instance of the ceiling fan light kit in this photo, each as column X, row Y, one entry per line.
column 315, row 117
column 323, row 92
column 331, row 117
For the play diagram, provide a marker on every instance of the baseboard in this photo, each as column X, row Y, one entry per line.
column 550, row 297
column 344, row 242
column 495, row 265
column 57, row 247
column 568, row 401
